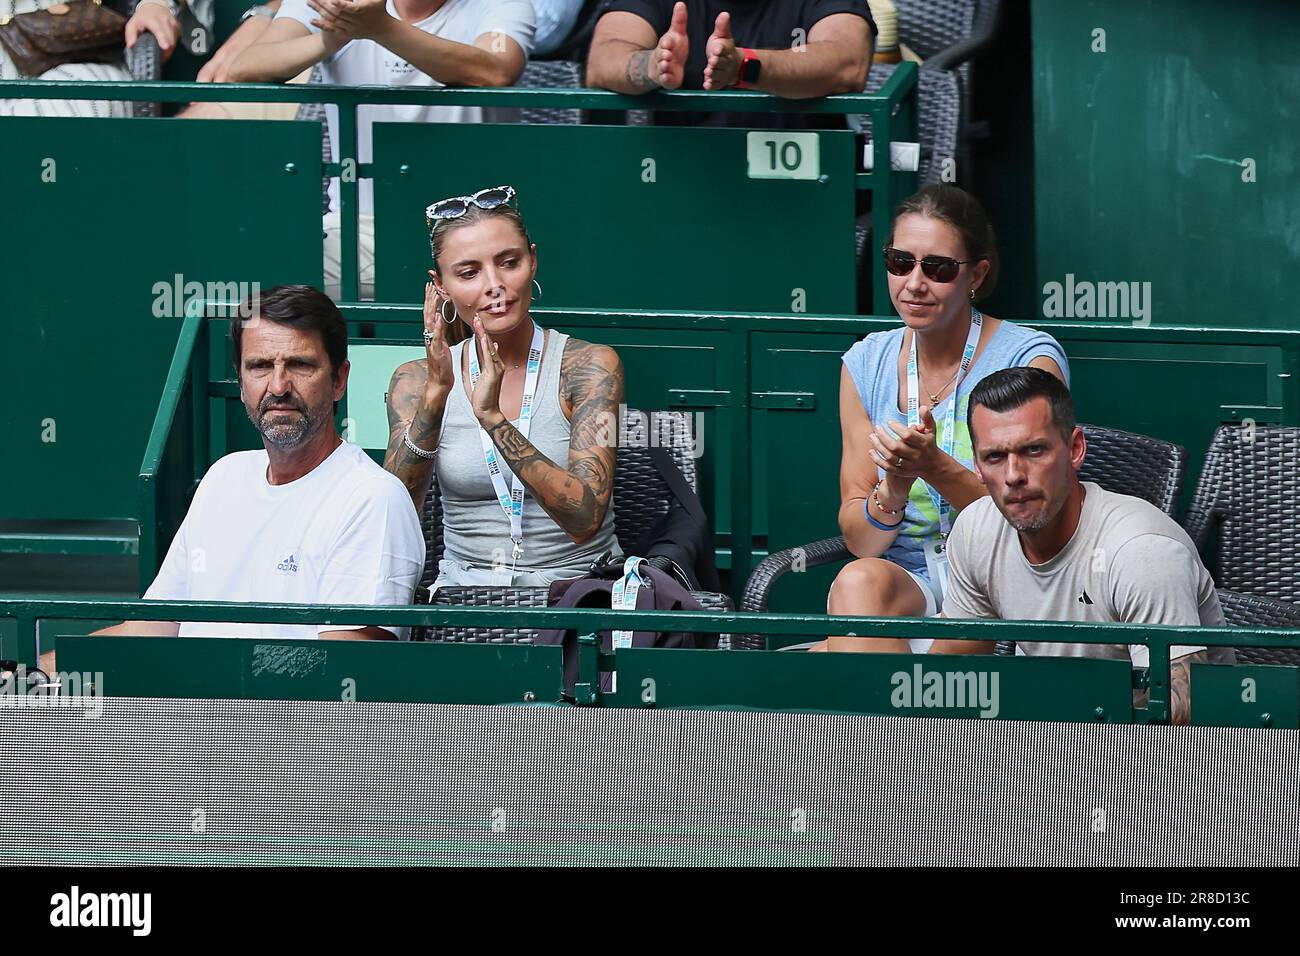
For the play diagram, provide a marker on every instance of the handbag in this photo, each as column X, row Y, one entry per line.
column 71, row 31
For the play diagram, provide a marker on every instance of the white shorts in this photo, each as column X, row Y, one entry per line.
column 933, row 597
column 933, row 605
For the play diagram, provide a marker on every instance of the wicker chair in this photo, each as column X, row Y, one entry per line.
column 511, row 597
column 947, row 34
column 938, row 119
column 315, row 113
column 1117, row 460
column 549, row 74
column 1251, row 610
column 641, row 496
column 1245, row 512
column 144, row 62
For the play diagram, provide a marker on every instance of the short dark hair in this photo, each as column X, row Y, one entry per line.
column 300, row 307
column 1010, row 388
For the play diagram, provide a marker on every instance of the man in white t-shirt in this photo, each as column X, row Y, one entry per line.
column 396, row 43
column 1045, row 546
column 309, row 519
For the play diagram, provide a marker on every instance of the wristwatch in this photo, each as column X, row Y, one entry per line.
column 261, row 10
column 750, row 68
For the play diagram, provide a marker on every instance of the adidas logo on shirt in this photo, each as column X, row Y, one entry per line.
column 1084, row 599
column 289, row 565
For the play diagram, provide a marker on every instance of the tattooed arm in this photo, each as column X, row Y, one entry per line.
column 626, row 56
column 576, row 497
column 1180, row 688
column 407, row 406
column 417, row 396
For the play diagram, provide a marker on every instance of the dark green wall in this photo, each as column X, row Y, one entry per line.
column 98, row 221
column 1139, row 154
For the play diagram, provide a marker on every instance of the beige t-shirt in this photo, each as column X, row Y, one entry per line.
column 1127, row 562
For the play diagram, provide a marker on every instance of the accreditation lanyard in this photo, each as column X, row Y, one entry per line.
column 623, row 596
column 950, row 422
column 511, row 500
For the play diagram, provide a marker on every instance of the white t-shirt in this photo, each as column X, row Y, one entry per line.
column 344, row 533
column 366, row 63
column 1127, row 562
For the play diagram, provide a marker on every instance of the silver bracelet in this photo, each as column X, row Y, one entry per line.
column 414, row 449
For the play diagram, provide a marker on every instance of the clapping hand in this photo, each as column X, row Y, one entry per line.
column 487, row 391
column 723, row 67
column 441, row 378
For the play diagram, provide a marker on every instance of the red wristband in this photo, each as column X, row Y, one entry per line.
column 746, row 54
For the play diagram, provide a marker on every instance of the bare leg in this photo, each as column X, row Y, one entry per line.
column 874, row 587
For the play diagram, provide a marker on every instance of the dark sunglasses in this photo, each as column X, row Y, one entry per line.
column 457, row 206
column 936, row 268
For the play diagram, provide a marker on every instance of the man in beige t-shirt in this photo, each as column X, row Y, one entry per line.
column 1045, row 546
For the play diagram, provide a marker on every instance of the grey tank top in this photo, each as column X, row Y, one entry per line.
column 475, row 530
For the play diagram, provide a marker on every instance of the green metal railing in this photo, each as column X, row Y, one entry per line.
column 892, row 111
column 208, row 667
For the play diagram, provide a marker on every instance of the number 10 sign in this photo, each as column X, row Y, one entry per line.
column 783, row 155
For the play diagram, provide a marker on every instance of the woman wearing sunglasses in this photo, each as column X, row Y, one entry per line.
column 518, row 422
column 907, row 465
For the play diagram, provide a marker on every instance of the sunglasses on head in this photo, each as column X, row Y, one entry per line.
column 457, row 206
column 937, row 268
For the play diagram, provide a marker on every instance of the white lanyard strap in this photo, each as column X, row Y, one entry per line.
column 512, row 500
column 623, row 596
column 950, row 421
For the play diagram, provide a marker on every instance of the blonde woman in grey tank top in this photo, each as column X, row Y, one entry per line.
column 478, row 302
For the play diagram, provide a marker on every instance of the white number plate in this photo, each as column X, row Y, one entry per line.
column 783, row 155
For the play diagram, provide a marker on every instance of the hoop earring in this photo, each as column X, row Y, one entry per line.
column 442, row 312
column 539, row 289
column 972, row 295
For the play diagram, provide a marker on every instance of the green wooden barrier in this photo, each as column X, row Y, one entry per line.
column 892, row 109
column 1166, row 153
column 113, row 225
column 1245, row 695
column 913, row 685
column 1037, row 688
column 317, row 670
column 629, row 217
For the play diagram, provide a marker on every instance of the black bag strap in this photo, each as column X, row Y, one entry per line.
column 705, row 572
column 683, row 492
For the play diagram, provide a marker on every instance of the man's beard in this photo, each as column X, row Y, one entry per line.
column 290, row 431
column 1036, row 522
